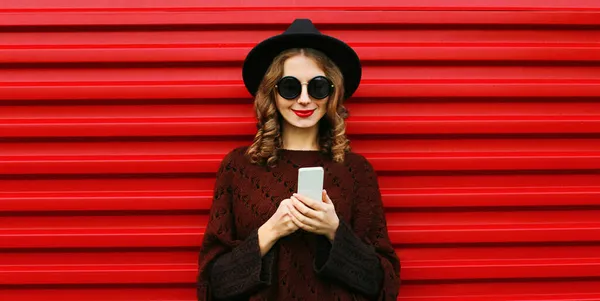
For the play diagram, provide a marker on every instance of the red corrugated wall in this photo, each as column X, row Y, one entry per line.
column 481, row 117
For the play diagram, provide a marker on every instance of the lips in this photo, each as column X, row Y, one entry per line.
column 304, row 113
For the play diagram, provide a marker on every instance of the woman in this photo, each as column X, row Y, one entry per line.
column 263, row 241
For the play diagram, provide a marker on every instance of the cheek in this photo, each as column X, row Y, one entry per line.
column 281, row 103
column 323, row 108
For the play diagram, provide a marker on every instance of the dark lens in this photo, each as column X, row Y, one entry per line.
column 289, row 87
column 319, row 87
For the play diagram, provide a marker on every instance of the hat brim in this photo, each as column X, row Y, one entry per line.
column 259, row 59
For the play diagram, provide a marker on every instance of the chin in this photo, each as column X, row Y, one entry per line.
column 304, row 124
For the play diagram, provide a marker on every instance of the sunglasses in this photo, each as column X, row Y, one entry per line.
column 290, row 87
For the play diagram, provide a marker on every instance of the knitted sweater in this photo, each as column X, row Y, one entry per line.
column 360, row 264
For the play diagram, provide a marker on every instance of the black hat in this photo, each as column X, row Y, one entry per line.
column 302, row 34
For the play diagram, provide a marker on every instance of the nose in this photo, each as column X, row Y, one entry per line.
column 304, row 98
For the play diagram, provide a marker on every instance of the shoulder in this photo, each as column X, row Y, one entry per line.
column 358, row 162
column 238, row 152
column 362, row 171
column 235, row 157
column 355, row 157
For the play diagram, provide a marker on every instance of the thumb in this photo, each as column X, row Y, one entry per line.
column 326, row 198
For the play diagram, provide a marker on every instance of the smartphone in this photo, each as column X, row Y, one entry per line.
column 310, row 182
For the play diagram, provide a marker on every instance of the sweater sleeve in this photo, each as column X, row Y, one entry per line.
column 229, row 267
column 362, row 256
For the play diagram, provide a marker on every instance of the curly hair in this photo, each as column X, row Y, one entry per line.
column 332, row 127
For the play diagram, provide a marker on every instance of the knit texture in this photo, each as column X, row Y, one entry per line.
column 360, row 264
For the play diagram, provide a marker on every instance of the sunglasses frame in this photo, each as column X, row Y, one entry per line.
column 331, row 86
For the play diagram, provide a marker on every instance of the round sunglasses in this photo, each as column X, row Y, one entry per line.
column 290, row 87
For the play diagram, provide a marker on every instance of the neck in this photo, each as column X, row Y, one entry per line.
column 300, row 139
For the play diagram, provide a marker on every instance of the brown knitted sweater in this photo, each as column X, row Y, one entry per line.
column 360, row 264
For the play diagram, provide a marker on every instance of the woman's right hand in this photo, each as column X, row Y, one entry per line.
column 279, row 225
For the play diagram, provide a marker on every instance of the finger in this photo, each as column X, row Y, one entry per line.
column 297, row 215
column 284, row 202
column 309, row 202
column 326, row 198
column 301, row 224
column 290, row 208
column 290, row 214
column 296, row 222
column 287, row 203
column 312, row 222
column 291, row 225
column 305, row 210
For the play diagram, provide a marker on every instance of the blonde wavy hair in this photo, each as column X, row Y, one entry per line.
column 332, row 127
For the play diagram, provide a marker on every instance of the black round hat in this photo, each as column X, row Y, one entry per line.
column 302, row 34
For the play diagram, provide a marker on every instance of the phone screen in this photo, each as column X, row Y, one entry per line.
column 310, row 182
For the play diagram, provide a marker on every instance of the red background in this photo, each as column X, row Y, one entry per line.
column 481, row 117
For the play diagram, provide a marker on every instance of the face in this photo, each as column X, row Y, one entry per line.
column 304, row 111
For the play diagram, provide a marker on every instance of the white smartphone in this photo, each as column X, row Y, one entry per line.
column 310, row 182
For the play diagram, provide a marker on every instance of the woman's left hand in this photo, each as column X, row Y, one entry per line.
column 315, row 216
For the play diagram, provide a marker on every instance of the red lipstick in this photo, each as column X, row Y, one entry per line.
column 304, row 113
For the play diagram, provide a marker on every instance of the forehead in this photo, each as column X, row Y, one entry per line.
column 302, row 67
